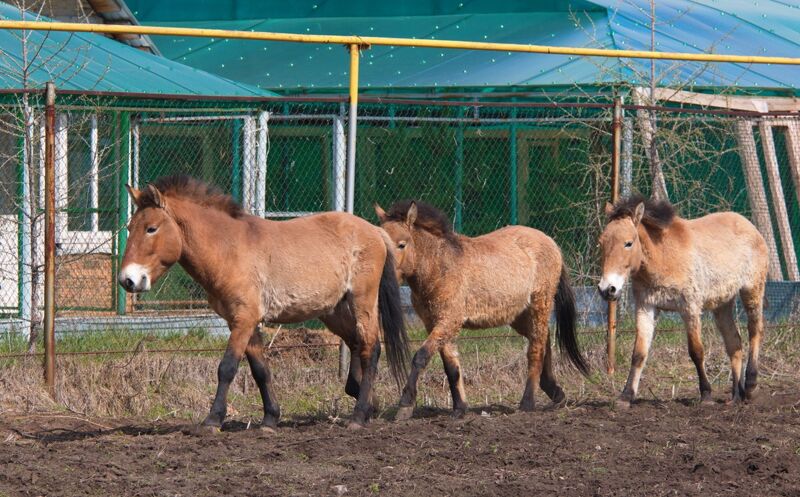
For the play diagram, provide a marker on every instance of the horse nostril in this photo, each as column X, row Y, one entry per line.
column 129, row 283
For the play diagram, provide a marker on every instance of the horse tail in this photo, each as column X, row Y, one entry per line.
column 565, row 323
column 391, row 314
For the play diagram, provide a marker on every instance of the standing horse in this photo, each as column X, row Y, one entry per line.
column 332, row 266
column 511, row 276
column 686, row 265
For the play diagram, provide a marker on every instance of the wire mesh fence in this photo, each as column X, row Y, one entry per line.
column 485, row 163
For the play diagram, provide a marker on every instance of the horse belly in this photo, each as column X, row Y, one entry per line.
column 301, row 304
column 493, row 310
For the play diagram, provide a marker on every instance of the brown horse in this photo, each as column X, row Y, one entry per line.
column 686, row 266
column 511, row 276
column 332, row 266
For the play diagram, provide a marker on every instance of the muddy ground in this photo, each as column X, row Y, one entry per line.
column 670, row 447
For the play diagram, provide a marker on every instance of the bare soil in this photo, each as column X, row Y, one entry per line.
column 672, row 447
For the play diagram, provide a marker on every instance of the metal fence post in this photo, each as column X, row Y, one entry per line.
column 459, row 173
column 616, row 135
column 50, row 240
column 512, row 168
column 123, row 156
column 355, row 51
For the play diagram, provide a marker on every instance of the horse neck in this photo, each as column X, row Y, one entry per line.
column 202, row 256
column 434, row 257
column 652, row 255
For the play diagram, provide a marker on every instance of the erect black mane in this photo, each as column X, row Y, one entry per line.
column 429, row 218
column 192, row 189
column 657, row 213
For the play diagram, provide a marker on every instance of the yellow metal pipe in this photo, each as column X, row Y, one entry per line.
column 354, row 54
column 400, row 42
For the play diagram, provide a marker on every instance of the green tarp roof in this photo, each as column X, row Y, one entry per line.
column 764, row 27
column 86, row 61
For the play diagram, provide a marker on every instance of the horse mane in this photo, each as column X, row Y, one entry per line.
column 429, row 219
column 194, row 190
column 658, row 214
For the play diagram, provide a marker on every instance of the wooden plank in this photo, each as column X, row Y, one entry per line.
column 728, row 101
column 756, row 194
column 778, row 199
column 793, row 151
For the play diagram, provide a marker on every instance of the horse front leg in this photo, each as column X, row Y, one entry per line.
column 442, row 333
column 645, row 326
column 263, row 378
column 696, row 352
column 237, row 344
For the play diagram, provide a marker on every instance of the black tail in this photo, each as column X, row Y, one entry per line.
column 565, row 324
column 394, row 329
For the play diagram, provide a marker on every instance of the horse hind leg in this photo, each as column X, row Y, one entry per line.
column 726, row 323
column 696, row 352
column 753, row 301
column 263, row 378
column 533, row 324
column 452, row 368
column 547, row 381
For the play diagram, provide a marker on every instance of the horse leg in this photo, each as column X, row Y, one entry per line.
column 548, row 381
column 753, row 301
column 645, row 326
column 261, row 374
column 538, row 334
column 452, row 368
column 723, row 317
column 693, row 328
column 237, row 344
column 368, row 355
column 442, row 333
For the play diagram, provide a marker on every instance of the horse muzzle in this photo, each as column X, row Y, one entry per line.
column 134, row 278
column 610, row 287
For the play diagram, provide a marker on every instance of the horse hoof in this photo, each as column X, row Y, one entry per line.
column 459, row 413
column 623, row 404
column 268, row 429
column 355, row 426
column 202, row 430
column 404, row 413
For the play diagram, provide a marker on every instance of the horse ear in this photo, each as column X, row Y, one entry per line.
column 638, row 214
column 134, row 193
column 411, row 215
column 380, row 212
column 158, row 198
column 609, row 208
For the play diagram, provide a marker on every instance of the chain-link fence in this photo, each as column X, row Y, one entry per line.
column 485, row 163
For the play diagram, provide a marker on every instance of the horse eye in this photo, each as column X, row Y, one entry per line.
column 152, row 229
column 401, row 245
column 628, row 244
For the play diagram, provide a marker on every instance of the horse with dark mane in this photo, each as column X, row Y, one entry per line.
column 332, row 266
column 687, row 266
column 514, row 276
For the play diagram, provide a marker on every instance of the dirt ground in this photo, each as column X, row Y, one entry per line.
column 670, row 447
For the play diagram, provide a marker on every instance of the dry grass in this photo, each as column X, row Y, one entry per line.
column 156, row 385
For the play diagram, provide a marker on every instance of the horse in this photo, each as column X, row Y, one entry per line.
column 687, row 266
column 332, row 266
column 514, row 275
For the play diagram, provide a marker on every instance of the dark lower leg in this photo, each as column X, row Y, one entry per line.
column 697, row 354
column 548, row 381
column 369, row 368
column 418, row 364
column 755, row 328
column 263, row 378
column 225, row 374
column 351, row 388
column 452, row 369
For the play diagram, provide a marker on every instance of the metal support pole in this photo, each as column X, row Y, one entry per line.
column 339, row 160
column 50, row 240
column 616, row 134
column 344, row 352
column 512, row 168
column 236, row 162
column 123, row 163
column 459, row 174
column 94, row 174
column 262, row 150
